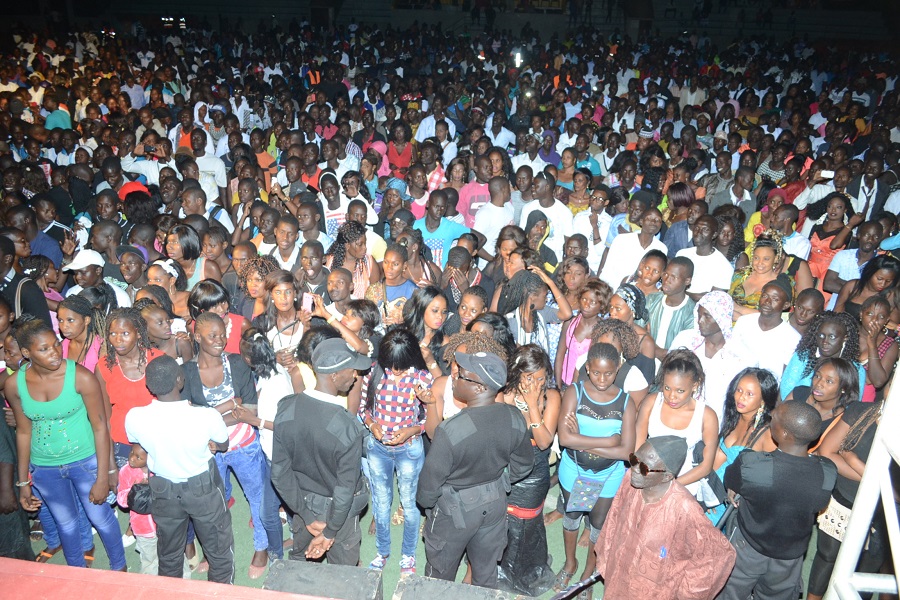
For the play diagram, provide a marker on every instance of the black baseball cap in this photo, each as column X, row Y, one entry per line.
column 336, row 355
column 490, row 368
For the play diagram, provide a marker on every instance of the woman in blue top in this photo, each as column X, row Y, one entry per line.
column 829, row 335
column 752, row 396
column 395, row 289
column 597, row 430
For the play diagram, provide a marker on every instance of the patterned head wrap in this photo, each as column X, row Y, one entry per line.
column 635, row 300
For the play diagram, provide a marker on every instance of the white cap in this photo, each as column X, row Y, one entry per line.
column 85, row 258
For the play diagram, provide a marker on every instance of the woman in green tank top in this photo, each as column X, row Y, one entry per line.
column 63, row 441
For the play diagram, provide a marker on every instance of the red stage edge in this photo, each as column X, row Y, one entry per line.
column 21, row 580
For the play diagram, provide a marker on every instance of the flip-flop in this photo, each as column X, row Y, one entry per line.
column 89, row 558
column 563, row 578
column 47, row 553
column 37, row 531
column 203, row 567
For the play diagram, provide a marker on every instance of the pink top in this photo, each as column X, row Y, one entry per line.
column 141, row 525
column 91, row 357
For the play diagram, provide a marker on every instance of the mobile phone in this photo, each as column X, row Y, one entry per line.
column 826, row 174
column 307, row 302
column 148, row 148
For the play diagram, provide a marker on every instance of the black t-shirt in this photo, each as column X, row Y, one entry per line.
column 31, row 300
column 845, row 489
column 781, row 496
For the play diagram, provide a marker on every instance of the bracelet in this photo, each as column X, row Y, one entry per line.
column 432, row 366
column 536, row 425
column 23, row 483
column 331, row 319
column 262, row 424
column 111, row 471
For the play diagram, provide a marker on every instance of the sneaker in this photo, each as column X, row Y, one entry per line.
column 378, row 562
column 407, row 566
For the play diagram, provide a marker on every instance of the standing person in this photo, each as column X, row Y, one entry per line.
column 186, row 486
column 671, row 310
column 63, row 442
column 396, row 418
column 525, row 567
column 781, row 493
column 597, row 432
column 18, row 290
column 121, row 373
column 224, row 381
column 465, row 476
column 316, row 453
column 82, row 328
column 645, row 532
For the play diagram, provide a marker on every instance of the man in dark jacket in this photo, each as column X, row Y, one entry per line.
column 316, row 458
column 464, row 480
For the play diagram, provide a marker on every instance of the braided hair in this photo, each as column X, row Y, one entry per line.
column 622, row 331
column 160, row 298
column 261, row 265
column 82, row 306
column 133, row 316
column 858, row 429
column 35, row 266
column 474, row 342
column 808, row 348
column 348, row 233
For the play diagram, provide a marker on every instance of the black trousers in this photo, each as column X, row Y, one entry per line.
column 482, row 537
column 201, row 500
column 347, row 541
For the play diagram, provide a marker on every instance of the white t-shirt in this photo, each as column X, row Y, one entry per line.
column 269, row 392
column 624, row 256
column 713, row 271
column 765, row 349
column 560, row 223
column 212, row 176
column 582, row 224
column 490, row 219
column 666, row 319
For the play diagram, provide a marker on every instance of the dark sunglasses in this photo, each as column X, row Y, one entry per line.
column 642, row 467
column 458, row 376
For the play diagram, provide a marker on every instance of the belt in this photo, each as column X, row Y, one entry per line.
column 244, row 444
column 524, row 513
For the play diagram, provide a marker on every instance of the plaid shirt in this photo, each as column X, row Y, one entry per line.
column 436, row 178
column 396, row 405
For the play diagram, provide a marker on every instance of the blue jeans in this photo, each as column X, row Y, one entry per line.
column 271, row 504
column 407, row 461
column 249, row 465
column 51, row 533
column 63, row 488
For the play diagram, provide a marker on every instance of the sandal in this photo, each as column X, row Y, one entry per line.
column 563, row 578
column 47, row 553
column 397, row 519
column 37, row 531
column 203, row 567
column 89, row 558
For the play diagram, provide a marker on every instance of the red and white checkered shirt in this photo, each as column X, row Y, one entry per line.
column 396, row 405
column 436, row 179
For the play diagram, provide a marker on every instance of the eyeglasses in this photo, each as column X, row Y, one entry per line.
column 458, row 376
column 642, row 467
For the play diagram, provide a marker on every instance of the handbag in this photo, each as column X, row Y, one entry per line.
column 833, row 521
column 585, row 491
column 712, row 491
column 140, row 499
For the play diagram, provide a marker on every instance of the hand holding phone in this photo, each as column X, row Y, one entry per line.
column 826, row 174
column 307, row 302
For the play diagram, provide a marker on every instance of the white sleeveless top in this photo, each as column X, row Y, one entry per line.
column 692, row 434
column 450, row 407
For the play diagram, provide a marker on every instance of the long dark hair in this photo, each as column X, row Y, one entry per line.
column 501, row 331
column 808, row 348
column 348, row 233
column 529, row 358
column 414, row 315
column 769, row 387
column 267, row 319
column 883, row 261
column 398, row 351
column 849, row 376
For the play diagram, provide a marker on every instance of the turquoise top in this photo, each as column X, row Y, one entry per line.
column 61, row 431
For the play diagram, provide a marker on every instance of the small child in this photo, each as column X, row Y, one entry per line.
column 142, row 526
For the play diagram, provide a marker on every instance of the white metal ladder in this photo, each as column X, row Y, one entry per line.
column 875, row 487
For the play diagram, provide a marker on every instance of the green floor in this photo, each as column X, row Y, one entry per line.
column 243, row 537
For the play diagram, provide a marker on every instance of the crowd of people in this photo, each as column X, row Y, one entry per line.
column 332, row 263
